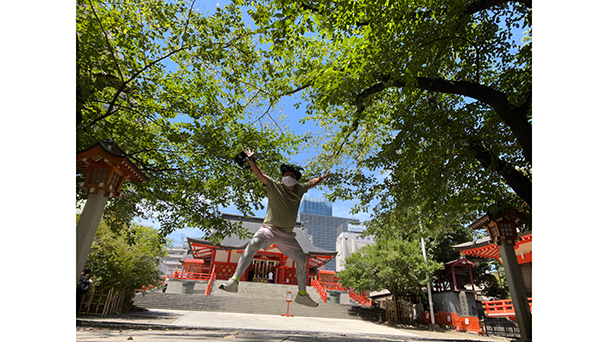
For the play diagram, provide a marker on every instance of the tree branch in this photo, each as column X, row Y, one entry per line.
column 187, row 22
column 516, row 180
column 291, row 92
column 481, row 5
column 513, row 116
column 107, row 39
column 494, row 163
column 162, row 151
column 112, row 103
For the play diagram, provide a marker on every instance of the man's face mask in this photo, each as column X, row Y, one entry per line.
column 289, row 181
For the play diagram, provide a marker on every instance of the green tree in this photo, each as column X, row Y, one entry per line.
column 396, row 265
column 127, row 260
column 436, row 94
column 485, row 277
column 179, row 90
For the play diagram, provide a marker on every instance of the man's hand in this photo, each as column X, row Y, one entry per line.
column 316, row 181
column 325, row 175
column 249, row 153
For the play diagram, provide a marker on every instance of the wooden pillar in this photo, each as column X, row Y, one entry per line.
column 454, row 278
column 471, row 278
column 87, row 227
column 517, row 291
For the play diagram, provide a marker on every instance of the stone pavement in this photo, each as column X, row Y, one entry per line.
column 254, row 314
column 179, row 325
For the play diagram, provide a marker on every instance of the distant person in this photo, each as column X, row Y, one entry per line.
column 83, row 287
column 283, row 203
column 270, row 275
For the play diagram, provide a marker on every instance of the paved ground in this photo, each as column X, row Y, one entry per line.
column 178, row 325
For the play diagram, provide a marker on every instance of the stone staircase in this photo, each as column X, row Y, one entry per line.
column 255, row 298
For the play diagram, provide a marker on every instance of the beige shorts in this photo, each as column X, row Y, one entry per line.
column 285, row 241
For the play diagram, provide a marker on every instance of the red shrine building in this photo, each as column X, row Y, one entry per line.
column 484, row 248
column 211, row 261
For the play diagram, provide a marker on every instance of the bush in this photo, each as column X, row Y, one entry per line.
column 126, row 260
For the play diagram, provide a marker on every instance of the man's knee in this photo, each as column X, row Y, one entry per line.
column 298, row 256
column 257, row 240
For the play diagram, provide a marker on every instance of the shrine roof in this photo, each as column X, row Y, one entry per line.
column 484, row 248
column 485, row 241
column 113, row 150
column 462, row 262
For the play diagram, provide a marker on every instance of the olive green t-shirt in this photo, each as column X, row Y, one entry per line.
column 283, row 204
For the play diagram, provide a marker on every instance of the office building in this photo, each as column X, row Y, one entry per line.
column 317, row 206
column 322, row 227
column 350, row 241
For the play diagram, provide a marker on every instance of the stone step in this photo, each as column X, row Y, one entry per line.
column 263, row 290
column 255, row 298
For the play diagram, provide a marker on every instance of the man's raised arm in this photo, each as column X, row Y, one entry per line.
column 316, row 181
column 254, row 166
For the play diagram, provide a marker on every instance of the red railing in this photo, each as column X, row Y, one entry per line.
column 359, row 299
column 502, row 308
column 338, row 287
column 189, row 275
column 210, row 282
column 151, row 286
column 320, row 289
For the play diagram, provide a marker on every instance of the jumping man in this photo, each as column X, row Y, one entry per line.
column 283, row 204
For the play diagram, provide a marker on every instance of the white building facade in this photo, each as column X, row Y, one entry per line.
column 173, row 261
column 349, row 242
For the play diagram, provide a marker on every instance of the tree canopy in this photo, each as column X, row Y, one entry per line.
column 435, row 95
column 181, row 92
column 425, row 105
column 396, row 265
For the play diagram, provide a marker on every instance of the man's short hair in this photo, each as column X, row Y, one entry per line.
column 292, row 168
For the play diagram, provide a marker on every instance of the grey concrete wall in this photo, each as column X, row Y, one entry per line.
column 450, row 302
column 177, row 286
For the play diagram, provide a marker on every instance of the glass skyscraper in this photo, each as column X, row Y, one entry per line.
column 317, row 206
column 316, row 216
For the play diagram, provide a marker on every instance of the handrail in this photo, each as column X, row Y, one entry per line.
column 320, row 289
column 151, row 286
column 338, row 287
column 359, row 299
column 502, row 307
column 189, row 275
column 210, row 282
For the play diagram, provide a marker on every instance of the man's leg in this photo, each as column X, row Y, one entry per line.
column 299, row 258
column 232, row 285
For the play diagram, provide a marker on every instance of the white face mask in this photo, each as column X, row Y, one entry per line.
column 289, row 181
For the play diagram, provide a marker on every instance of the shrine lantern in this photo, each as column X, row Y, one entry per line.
column 502, row 229
column 106, row 167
